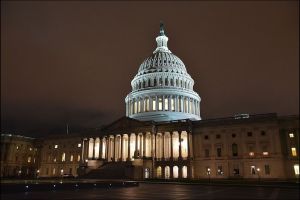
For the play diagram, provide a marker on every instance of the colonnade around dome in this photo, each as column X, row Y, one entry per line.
column 173, row 103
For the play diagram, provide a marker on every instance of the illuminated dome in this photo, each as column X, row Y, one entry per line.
column 162, row 90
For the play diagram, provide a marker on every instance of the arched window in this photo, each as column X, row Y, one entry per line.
column 172, row 82
column 144, row 84
column 175, row 172
column 234, row 149
column 167, row 172
column 184, row 172
column 166, row 82
column 177, row 83
column 154, row 84
column 149, row 82
column 158, row 172
column 166, row 103
column 160, row 103
column 160, row 81
column 153, row 103
column 63, row 157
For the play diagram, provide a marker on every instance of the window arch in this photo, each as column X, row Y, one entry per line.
column 175, row 172
column 158, row 172
column 167, row 172
column 184, row 172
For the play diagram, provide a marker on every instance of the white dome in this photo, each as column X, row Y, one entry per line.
column 162, row 90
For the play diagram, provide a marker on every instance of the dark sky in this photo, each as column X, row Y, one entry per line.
column 72, row 62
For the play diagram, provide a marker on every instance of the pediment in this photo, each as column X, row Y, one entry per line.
column 124, row 124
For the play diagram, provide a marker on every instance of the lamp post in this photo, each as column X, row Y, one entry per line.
column 258, row 170
column 37, row 173
column 208, row 173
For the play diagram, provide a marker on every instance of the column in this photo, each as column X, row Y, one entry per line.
column 163, row 103
column 136, row 145
column 180, row 157
column 163, row 145
column 114, row 153
column 156, row 105
column 142, row 105
column 122, row 144
column 144, row 144
column 82, row 151
column 150, row 103
column 171, row 137
column 176, row 104
column 155, row 145
column 107, row 140
column 128, row 153
column 94, row 148
column 188, row 144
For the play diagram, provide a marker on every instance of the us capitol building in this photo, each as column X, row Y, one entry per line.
column 162, row 136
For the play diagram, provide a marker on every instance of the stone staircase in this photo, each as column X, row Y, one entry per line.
column 112, row 170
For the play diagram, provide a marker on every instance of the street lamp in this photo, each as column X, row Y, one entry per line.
column 258, row 170
column 37, row 173
column 208, row 173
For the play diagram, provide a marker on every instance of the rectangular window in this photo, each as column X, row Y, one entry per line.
column 291, row 135
column 219, row 152
column 79, row 145
column 166, row 103
column 172, row 104
column 296, row 169
column 135, row 107
column 253, row 170
column 78, row 158
column 71, row 158
column 251, row 153
column 206, row 152
column 153, row 104
column 160, row 103
column 54, row 160
column 234, row 150
column 267, row 169
column 56, row 146
column 54, row 171
column 294, row 152
column 63, row 157
column 139, row 106
column 29, row 159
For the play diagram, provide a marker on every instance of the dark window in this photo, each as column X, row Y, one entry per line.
column 234, row 150
column 70, row 171
column 219, row 152
column 206, row 152
column 233, row 135
column 267, row 169
column 16, row 158
column 49, row 146
column 206, row 137
column 249, row 134
column 218, row 136
column 252, row 170
column 236, row 171
column 263, row 133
